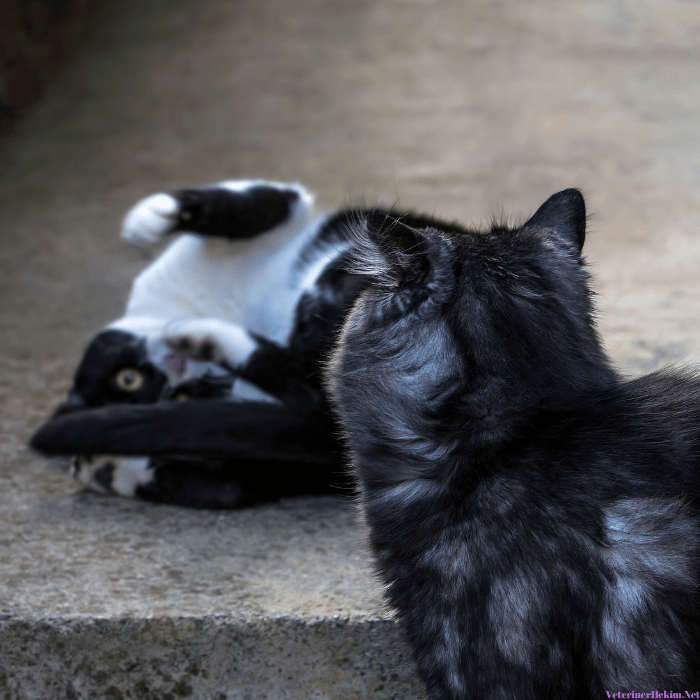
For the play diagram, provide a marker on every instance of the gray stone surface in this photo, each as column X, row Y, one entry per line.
column 111, row 598
column 459, row 108
column 205, row 657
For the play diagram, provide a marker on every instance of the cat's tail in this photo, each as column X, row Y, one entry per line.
column 258, row 430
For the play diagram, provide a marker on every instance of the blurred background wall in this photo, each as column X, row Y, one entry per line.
column 36, row 38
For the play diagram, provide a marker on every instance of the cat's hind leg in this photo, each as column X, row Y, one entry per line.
column 233, row 209
column 205, row 482
column 191, row 482
column 111, row 475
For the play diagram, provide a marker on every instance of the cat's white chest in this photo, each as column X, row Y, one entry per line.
column 252, row 283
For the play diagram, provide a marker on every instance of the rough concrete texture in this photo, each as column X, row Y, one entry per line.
column 459, row 108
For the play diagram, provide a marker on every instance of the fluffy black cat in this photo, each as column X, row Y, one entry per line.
column 534, row 517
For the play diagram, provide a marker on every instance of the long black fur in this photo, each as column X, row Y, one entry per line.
column 533, row 515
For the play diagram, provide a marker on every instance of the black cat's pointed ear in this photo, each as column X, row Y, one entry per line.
column 564, row 213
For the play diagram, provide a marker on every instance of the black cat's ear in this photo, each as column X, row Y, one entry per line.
column 390, row 251
column 564, row 213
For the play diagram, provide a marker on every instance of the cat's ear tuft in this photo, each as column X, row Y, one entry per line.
column 389, row 251
column 564, row 213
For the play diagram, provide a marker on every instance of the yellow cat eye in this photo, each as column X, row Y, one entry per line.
column 129, row 379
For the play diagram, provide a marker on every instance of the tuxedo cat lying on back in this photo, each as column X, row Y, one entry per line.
column 238, row 313
column 535, row 517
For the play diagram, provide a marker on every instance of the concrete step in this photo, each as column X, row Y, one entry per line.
column 104, row 598
column 220, row 657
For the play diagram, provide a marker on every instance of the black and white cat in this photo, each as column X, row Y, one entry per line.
column 535, row 518
column 239, row 312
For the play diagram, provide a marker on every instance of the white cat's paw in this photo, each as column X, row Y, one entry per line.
column 110, row 475
column 210, row 340
column 150, row 220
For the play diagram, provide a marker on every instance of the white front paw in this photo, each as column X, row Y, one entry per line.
column 210, row 340
column 150, row 220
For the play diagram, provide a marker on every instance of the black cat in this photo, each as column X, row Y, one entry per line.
column 534, row 516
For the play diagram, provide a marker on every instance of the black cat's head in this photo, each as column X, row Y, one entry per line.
column 115, row 368
column 468, row 328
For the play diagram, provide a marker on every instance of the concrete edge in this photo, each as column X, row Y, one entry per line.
column 218, row 658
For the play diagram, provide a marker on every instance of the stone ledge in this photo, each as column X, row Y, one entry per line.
column 218, row 658
column 110, row 598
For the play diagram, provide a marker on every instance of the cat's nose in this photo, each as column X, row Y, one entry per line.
column 74, row 402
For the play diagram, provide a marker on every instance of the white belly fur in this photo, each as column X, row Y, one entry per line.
column 254, row 283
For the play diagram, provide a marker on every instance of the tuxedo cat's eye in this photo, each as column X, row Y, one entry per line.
column 129, row 379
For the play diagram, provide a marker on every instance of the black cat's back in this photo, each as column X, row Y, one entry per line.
column 533, row 515
column 567, row 567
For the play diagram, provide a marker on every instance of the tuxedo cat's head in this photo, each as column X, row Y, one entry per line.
column 121, row 366
column 115, row 368
column 469, row 328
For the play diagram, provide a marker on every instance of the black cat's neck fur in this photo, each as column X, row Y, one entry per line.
column 534, row 516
